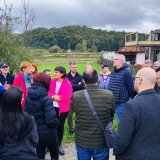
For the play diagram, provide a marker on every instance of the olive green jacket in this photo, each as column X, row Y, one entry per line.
column 88, row 133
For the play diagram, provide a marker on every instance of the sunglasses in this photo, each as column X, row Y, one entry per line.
column 5, row 67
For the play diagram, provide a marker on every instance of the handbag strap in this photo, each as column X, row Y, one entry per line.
column 93, row 110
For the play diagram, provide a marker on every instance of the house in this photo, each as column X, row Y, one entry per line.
column 140, row 46
column 133, row 54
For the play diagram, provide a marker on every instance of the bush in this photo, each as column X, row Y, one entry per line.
column 54, row 49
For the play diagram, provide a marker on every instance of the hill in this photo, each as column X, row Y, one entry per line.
column 74, row 37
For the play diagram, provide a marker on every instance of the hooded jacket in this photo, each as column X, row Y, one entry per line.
column 39, row 104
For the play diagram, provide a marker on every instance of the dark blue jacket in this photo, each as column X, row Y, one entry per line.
column 40, row 105
column 139, row 129
column 9, row 79
column 76, row 81
column 121, row 84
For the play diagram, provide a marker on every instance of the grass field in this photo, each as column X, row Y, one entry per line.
column 50, row 61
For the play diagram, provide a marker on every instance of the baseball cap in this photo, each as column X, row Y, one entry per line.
column 4, row 64
column 104, row 65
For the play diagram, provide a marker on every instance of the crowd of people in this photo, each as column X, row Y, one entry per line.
column 34, row 107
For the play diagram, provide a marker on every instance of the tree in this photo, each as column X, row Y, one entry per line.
column 28, row 16
column 84, row 46
column 78, row 47
column 9, row 49
column 54, row 49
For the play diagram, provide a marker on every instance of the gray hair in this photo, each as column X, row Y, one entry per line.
column 72, row 63
column 121, row 57
column 147, row 61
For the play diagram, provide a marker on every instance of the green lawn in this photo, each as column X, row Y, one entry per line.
column 80, row 66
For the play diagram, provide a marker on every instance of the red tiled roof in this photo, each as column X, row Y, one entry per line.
column 130, row 49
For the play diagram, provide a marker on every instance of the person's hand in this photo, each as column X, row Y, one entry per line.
column 56, row 98
column 6, row 86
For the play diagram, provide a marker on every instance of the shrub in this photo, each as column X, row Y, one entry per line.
column 54, row 49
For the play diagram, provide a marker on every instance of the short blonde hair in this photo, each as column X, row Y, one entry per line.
column 24, row 65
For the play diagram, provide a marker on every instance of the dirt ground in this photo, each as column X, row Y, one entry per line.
column 70, row 153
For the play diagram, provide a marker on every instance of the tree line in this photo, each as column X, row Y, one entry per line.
column 78, row 38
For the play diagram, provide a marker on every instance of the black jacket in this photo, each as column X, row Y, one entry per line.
column 40, row 105
column 139, row 129
column 9, row 79
column 24, row 148
column 76, row 81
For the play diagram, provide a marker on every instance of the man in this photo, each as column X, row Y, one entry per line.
column 88, row 135
column 148, row 63
column 157, row 85
column 48, row 72
column 76, row 79
column 156, row 65
column 6, row 79
column 121, row 84
column 104, row 77
column 139, row 130
column 5, row 76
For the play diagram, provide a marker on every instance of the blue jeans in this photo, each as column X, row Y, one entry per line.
column 97, row 154
column 119, row 108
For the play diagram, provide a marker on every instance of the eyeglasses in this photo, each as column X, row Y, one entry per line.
column 116, row 59
column 137, row 77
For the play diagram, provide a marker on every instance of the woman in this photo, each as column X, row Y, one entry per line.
column 23, row 79
column 34, row 68
column 61, row 94
column 40, row 105
column 18, row 132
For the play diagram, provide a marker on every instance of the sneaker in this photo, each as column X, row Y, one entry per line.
column 61, row 150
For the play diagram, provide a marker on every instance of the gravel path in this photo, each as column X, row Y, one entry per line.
column 70, row 153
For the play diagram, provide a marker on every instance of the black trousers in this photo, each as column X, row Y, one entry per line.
column 51, row 142
column 60, row 129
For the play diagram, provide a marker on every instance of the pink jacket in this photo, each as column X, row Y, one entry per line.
column 65, row 92
column 20, row 82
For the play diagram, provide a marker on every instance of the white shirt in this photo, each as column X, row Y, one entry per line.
column 58, row 85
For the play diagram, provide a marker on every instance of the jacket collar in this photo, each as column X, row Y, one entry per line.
column 148, row 91
column 92, row 86
column 71, row 74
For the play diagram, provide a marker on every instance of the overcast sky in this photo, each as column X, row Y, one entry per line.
column 119, row 15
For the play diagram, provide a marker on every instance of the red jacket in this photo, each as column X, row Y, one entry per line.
column 19, row 81
column 65, row 93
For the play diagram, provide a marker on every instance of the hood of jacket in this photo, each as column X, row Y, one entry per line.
column 37, row 91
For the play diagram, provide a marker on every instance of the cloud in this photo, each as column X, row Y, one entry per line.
column 105, row 14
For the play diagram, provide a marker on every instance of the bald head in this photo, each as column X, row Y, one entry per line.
column 145, row 79
column 148, row 75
